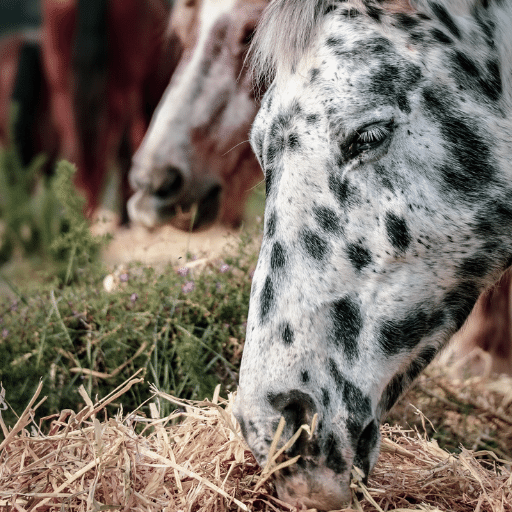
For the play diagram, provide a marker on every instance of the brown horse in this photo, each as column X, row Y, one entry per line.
column 22, row 80
column 196, row 150
column 107, row 63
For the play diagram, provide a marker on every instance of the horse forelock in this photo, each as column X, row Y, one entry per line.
column 287, row 28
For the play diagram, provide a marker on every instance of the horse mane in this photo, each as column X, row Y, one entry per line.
column 287, row 28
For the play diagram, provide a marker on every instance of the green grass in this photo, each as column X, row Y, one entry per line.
column 58, row 324
column 186, row 331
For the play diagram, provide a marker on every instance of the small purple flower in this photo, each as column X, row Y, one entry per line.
column 251, row 274
column 183, row 271
column 5, row 333
column 133, row 297
column 218, row 286
column 224, row 268
column 187, row 287
column 123, row 278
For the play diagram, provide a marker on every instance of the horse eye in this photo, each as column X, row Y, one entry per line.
column 369, row 137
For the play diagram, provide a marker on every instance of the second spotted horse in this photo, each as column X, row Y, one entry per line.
column 386, row 141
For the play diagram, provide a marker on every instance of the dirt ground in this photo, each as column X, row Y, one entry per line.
column 163, row 245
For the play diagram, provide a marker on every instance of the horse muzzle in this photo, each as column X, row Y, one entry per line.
column 165, row 196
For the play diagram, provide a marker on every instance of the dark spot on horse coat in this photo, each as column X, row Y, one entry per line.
column 304, row 376
column 346, row 326
column 472, row 78
column 314, row 245
column 334, row 460
column 365, row 444
column 403, row 103
column 424, row 358
column 334, row 42
column 460, row 301
column 473, row 170
column 359, row 256
column 440, row 36
column 277, row 257
column 358, row 404
column 402, row 381
column 474, row 266
column 405, row 21
column 269, row 175
column 492, row 86
column 491, row 218
column 397, row 231
column 350, row 13
column 383, row 81
column 406, row 334
column 374, row 12
column 311, row 118
column 442, row 15
column 464, row 63
column 313, row 74
column 271, row 225
column 293, row 142
column 339, row 380
column 417, row 37
column 341, row 189
column 287, row 334
column 327, row 219
column 267, row 298
column 326, row 399
column 392, row 393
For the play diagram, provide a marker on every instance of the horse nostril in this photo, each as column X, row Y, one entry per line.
column 297, row 407
column 212, row 197
column 171, row 185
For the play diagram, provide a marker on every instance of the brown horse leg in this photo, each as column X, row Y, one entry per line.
column 125, row 160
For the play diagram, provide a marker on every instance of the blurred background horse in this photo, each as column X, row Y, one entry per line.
column 196, row 151
column 103, row 66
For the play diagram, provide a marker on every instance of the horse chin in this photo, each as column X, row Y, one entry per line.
column 197, row 217
column 141, row 210
column 319, row 488
column 144, row 209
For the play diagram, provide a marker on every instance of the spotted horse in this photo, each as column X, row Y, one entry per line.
column 386, row 142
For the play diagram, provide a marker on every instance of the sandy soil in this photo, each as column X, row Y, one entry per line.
column 163, row 245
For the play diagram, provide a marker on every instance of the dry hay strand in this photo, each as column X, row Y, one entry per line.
column 195, row 460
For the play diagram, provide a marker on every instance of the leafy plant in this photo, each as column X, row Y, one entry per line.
column 75, row 244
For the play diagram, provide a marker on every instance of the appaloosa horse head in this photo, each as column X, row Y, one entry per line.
column 386, row 142
column 197, row 150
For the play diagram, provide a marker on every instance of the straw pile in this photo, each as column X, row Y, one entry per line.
column 195, row 460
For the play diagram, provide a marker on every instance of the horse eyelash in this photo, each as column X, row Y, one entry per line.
column 375, row 134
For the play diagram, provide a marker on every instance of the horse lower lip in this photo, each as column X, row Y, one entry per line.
column 313, row 491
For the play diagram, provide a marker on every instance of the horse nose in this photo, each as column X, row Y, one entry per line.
column 170, row 185
column 164, row 182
